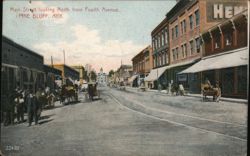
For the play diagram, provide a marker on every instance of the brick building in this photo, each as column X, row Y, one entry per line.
column 142, row 64
column 226, row 57
column 187, row 20
column 67, row 73
column 160, row 52
column 20, row 67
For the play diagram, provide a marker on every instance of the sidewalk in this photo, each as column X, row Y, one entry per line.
column 245, row 101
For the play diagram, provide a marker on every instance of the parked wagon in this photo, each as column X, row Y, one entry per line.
column 92, row 91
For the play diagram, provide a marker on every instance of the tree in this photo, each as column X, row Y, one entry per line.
column 93, row 76
column 111, row 72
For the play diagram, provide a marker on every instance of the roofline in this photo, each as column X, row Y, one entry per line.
column 149, row 46
column 162, row 23
column 10, row 41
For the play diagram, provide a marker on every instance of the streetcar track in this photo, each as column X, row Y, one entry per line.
column 194, row 117
column 173, row 122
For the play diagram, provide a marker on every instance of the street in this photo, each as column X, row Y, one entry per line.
column 133, row 123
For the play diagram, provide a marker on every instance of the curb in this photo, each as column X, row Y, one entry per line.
column 243, row 101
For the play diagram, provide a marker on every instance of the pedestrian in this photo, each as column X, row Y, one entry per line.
column 20, row 108
column 31, row 108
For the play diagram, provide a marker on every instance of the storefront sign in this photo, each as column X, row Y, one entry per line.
column 217, row 11
column 182, row 77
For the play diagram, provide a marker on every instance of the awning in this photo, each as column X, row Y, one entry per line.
column 132, row 78
column 232, row 58
column 152, row 76
column 155, row 74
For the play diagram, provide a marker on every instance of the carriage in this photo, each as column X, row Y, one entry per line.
column 92, row 91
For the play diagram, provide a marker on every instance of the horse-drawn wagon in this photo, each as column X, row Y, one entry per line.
column 207, row 90
column 92, row 91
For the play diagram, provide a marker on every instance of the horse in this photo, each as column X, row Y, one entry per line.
column 208, row 90
column 68, row 93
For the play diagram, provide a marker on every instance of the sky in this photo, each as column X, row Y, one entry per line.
column 100, row 33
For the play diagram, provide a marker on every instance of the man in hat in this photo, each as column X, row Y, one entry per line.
column 31, row 108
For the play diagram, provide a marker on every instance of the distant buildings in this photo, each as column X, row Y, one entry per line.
column 68, row 73
column 123, row 73
column 142, row 64
column 52, row 76
column 102, row 77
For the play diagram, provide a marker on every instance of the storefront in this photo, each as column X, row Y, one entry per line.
column 228, row 68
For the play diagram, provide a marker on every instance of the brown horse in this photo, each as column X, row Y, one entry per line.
column 208, row 90
column 68, row 93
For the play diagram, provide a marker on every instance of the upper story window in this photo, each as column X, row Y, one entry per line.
column 182, row 51
column 191, row 23
column 177, row 53
column 185, row 49
column 217, row 43
column 191, row 43
column 198, row 44
column 228, row 39
column 183, row 26
column 172, row 33
column 162, row 38
column 166, row 36
column 176, row 31
column 197, row 17
column 173, row 52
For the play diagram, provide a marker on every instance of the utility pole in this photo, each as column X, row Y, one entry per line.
column 63, row 56
column 52, row 62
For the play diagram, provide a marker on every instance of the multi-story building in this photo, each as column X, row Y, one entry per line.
column 102, row 77
column 160, row 52
column 226, row 57
column 123, row 73
column 187, row 20
column 21, row 67
column 80, row 69
column 142, row 64
column 68, row 73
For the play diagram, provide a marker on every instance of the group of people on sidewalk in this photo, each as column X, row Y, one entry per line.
column 17, row 102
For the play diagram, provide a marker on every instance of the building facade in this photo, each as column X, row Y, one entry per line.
column 21, row 67
column 102, row 78
column 226, row 57
column 160, row 52
column 68, row 73
column 142, row 64
column 81, row 71
column 187, row 20
column 123, row 73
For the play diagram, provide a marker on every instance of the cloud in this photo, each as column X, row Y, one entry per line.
column 88, row 47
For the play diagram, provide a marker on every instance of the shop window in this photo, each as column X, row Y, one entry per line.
column 242, row 79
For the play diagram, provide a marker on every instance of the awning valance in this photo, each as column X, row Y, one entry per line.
column 155, row 74
column 233, row 58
